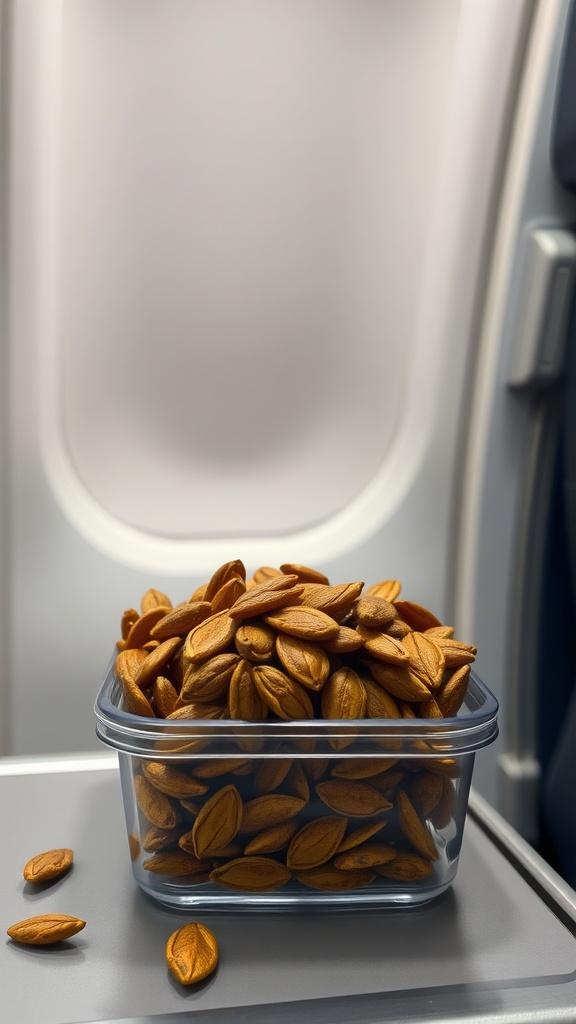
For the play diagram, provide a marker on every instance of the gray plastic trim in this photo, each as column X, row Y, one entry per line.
column 518, row 767
column 540, row 337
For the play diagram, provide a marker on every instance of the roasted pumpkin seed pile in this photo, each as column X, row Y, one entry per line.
column 284, row 645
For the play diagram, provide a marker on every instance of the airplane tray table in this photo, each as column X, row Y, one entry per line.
column 499, row 946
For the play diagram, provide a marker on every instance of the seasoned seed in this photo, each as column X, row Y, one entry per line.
column 192, row 953
column 172, row 781
column 355, row 799
column 367, row 855
column 45, row 867
column 315, row 843
column 217, row 822
column 45, row 929
column 332, row 879
column 251, row 874
column 272, row 809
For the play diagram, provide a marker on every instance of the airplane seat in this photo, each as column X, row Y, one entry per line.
column 557, row 667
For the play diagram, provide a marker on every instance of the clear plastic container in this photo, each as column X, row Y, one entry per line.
column 225, row 814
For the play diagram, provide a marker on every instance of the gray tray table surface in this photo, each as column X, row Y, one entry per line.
column 500, row 945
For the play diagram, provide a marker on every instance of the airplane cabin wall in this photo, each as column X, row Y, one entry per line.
column 236, row 329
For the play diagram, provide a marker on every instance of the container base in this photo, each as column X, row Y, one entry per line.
column 210, row 899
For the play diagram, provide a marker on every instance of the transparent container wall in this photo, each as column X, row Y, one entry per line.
column 226, row 813
column 311, row 830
